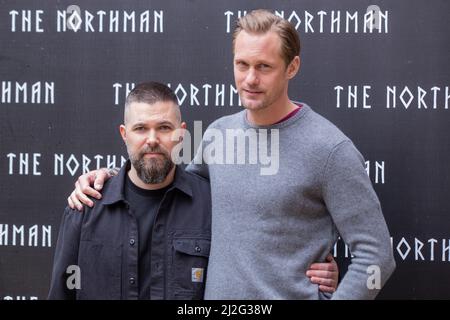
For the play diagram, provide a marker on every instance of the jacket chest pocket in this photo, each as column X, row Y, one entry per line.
column 189, row 263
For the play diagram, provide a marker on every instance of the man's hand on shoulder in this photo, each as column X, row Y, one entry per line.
column 89, row 184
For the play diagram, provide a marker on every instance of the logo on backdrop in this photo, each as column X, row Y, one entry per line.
column 396, row 97
column 218, row 94
column 29, row 163
column 408, row 249
column 12, row 297
column 25, row 236
column 25, row 92
column 75, row 19
column 372, row 21
column 264, row 153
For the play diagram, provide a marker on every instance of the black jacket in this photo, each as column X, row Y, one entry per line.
column 102, row 242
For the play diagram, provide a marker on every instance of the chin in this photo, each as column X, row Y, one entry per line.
column 253, row 106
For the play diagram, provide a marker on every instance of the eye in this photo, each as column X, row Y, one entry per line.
column 139, row 128
column 165, row 128
column 241, row 64
column 264, row 66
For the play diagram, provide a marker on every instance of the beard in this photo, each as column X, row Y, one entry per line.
column 152, row 171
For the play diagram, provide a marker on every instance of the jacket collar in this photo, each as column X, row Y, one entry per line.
column 115, row 191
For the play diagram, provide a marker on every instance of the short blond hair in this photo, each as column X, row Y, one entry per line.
column 262, row 21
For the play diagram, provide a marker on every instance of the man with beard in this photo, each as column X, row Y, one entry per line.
column 149, row 236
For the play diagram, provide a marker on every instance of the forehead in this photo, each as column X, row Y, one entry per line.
column 156, row 112
column 265, row 46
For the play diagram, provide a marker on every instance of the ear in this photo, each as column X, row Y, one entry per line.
column 293, row 67
column 123, row 132
column 183, row 126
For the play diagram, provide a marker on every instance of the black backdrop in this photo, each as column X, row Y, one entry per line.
column 383, row 81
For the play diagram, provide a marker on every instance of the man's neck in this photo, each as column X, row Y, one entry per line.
column 132, row 174
column 272, row 114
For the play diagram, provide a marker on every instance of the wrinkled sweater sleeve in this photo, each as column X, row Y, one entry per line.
column 356, row 212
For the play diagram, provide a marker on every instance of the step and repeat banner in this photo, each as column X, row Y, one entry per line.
column 379, row 70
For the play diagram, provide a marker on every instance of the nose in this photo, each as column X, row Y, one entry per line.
column 152, row 138
column 252, row 77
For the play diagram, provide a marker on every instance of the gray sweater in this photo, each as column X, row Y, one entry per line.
column 268, row 228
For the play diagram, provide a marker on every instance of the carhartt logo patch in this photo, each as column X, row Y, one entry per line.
column 197, row 274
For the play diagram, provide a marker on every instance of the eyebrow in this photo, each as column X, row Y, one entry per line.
column 257, row 62
column 164, row 122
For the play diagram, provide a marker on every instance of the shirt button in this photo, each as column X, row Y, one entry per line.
column 132, row 280
column 132, row 241
column 198, row 249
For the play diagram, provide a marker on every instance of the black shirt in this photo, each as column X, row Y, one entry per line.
column 144, row 205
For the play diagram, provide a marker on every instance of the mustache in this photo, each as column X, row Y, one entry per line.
column 156, row 149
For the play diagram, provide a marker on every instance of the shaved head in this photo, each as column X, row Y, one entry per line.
column 151, row 93
column 128, row 106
